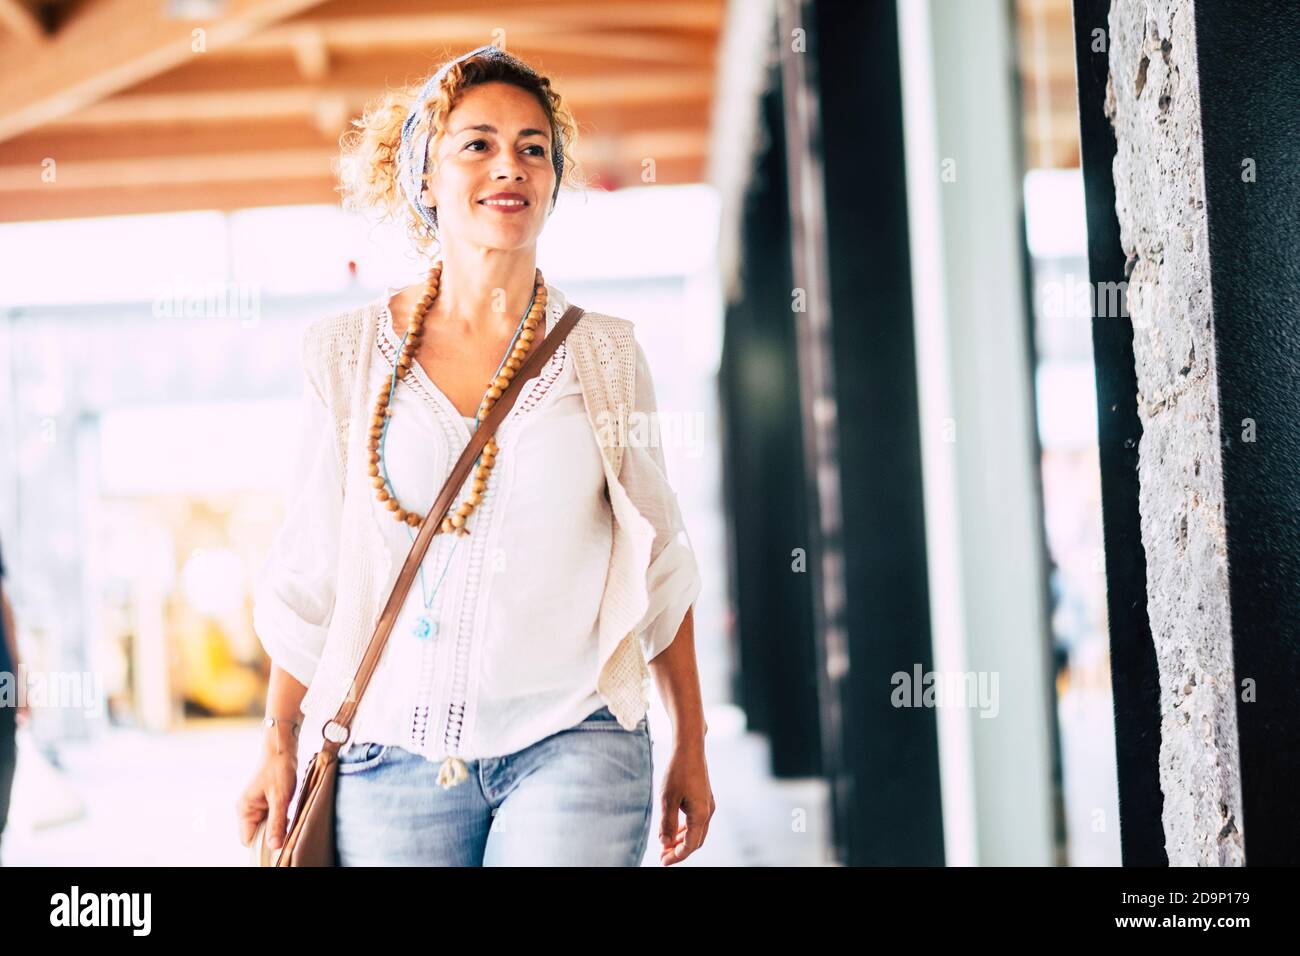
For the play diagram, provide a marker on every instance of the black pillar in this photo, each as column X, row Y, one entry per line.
column 1252, row 198
column 1134, row 675
column 763, row 474
column 850, row 253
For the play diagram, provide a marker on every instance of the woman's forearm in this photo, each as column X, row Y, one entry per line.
column 678, row 680
column 284, row 701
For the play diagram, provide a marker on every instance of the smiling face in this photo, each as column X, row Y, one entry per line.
column 498, row 140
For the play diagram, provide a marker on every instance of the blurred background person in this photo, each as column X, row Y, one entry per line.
column 13, row 710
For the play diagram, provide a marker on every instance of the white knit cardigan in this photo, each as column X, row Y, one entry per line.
column 336, row 354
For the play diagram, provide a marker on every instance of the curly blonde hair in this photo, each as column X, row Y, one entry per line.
column 368, row 167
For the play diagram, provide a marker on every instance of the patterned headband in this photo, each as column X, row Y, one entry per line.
column 411, row 171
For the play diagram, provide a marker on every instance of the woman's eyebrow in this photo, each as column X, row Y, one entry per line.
column 489, row 128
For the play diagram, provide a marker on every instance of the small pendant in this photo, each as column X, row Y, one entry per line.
column 425, row 627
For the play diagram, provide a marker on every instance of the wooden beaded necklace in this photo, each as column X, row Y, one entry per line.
column 518, row 351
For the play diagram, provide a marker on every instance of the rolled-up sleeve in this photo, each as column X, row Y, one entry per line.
column 294, row 592
column 673, row 578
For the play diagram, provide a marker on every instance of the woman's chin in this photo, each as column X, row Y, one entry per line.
column 506, row 240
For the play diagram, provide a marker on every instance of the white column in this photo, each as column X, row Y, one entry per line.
column 982, row 506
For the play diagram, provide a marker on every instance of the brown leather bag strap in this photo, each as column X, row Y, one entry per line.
column 433, row 520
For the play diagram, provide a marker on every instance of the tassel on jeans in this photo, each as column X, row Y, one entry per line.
column 452, row 772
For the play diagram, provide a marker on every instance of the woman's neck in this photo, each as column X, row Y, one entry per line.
column 483, row 297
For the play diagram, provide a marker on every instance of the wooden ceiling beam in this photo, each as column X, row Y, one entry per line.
column 147, row 142
column 106, row 46
column 1058, row 11
column 301, row 101
column 1053, row 91
column 311, row 54
column 163, row 171
column 230, row 74
column 189, row 139
column 456, row 22
column 624, row 153
column 435, row 43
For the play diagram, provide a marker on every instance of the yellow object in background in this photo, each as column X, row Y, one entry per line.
column 212, row 677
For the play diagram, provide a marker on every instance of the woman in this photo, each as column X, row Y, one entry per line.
column 505, row 721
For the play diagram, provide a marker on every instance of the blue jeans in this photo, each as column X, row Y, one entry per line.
column 580, row 797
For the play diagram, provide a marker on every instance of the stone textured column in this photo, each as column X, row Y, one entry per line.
column 1153, row 102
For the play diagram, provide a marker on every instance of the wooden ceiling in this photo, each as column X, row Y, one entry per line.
column 128, row 106
column 1049, row 97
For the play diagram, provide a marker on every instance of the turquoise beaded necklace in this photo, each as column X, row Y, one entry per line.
column 425, row 626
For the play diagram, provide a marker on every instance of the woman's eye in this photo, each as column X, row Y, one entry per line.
column 541, row 150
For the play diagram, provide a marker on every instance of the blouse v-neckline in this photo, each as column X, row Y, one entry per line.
column 434, row 395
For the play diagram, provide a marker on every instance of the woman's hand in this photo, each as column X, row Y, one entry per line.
column 268, row 796
column 686, row 788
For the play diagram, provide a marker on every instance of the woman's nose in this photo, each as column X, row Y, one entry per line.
column 510, row 167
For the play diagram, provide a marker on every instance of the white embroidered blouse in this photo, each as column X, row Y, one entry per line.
column 514, row 651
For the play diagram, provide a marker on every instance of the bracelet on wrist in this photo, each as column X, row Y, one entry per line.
column 294, row 725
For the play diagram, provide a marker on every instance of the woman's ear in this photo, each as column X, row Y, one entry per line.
column 426, row 191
